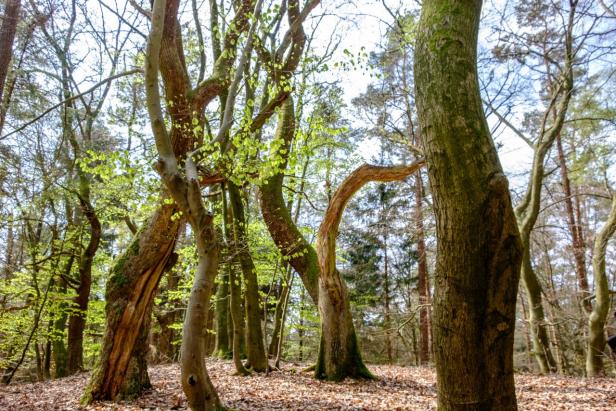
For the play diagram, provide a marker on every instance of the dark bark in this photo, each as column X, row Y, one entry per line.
column 77, row 320
column 478, row 243
column 575, row 230
column 7, row 36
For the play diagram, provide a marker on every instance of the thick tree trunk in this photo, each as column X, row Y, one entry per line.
column 137, row 379
column 478, row 243
column 130, row 290
column 598, row 317
column 339, row 354
column 255, row 348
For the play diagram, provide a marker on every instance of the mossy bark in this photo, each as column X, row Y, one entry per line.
column 478, row 242
column 130, row 289
column 255, row 348
column 277, row 217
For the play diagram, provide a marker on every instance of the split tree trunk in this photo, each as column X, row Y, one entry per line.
column 478, row 243
column 130, row 290
column 598, row 317
column 339, row 355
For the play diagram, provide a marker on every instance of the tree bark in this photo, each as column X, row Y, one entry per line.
column 7, row 37
column 423, row 283
column 186, row 192
column 277, row 217
column 339, row 355
column 77, row 320
column 130, row 291
column 598, row 316
column 222, row 348
column 478, row 243
column 575, row 231
column 255, row 348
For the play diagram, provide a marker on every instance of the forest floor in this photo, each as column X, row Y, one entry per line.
column 398, row 388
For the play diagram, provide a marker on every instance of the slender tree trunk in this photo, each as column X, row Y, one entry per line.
column 222, row 348
column 279, row 313
column 575, row 231
column 422, row 275
column 478, row 243
column 77, row 320
column 10, row 19
column 598, row 317
column 60, row 354
column 387, row 313
column 255, row 348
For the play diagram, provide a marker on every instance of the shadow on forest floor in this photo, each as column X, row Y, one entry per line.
column 398, row 388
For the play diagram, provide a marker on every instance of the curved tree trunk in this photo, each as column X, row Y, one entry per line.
column 527, row 211
column 186, row 192
column 339, row 355
column 277, row 217
column 478, row 244
column 598, row 316
column 130, row 291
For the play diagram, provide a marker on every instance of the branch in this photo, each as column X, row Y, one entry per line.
column 328, row 231
column 68, row 100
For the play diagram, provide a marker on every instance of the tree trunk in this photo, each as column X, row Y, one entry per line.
column 423, row 283
column 575, row 231
column 278, row 314
column 255, row 348
column 277, row 217
column 223, row 348
column 7, row 36
column 339, row 354
column 598, row 317
column 77, row 320
column 60, row 354
column 541, row 342
column 478, row 243
column 130, row 290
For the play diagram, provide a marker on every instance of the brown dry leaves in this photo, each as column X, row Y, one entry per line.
column 398, row 388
